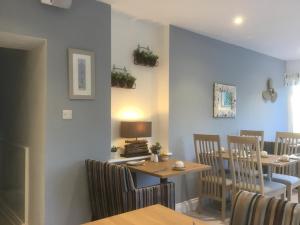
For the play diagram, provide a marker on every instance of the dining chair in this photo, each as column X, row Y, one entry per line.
column 212, row 183
column 246, row 168
column 255, row 209
column 255, row 133
column 287, row 143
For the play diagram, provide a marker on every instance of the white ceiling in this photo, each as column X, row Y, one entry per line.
column 271, row 27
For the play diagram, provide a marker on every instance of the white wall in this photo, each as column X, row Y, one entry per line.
column 293, row 66
column 149, row 101
column 196, row 62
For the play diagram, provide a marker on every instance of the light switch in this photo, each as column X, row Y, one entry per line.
column 67, row 114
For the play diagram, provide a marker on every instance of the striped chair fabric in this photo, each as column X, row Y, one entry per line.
column 256, row 209
column 112, row 191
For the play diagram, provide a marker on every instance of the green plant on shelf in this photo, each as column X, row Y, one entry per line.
column 144, row 56
column 130, row 81
column 115, row 77
column 120, row 77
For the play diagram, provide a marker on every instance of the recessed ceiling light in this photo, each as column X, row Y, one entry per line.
column 238, row 20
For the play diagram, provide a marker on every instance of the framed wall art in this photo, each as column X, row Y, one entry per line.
column 224, row 101
column 81, row 74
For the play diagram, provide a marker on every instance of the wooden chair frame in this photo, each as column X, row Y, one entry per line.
column 288, row 143
column 255, row 133
column 212, row 182
column 246, row 167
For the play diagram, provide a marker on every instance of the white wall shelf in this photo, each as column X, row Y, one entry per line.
column 123, row 159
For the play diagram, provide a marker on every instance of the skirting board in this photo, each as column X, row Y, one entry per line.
column 187, row 206
column 8, row 215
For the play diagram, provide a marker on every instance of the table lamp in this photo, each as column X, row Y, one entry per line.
column 136, row 129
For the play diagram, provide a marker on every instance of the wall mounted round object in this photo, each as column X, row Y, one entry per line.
column 270, row 94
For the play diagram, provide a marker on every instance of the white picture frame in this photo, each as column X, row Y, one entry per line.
column 224, row 101
column 81, row 74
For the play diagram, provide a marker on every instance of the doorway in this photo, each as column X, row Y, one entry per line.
column 23, row 69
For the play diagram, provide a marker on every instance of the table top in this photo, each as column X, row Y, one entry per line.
column 270, row 160
column 152, row 215
column 165, row 169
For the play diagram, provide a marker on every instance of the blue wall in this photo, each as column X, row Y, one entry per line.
column 196, row 62
column 68, row 143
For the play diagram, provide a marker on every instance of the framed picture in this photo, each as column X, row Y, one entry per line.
column 81, row 74
column 224, row 101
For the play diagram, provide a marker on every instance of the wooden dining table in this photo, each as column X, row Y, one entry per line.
column 152, row 215
column 270, row 161
column 164, row 170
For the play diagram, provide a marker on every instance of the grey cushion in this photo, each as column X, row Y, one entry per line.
column 285, row 179
column 271, row 186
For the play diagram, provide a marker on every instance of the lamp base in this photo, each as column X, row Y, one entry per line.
column 134, row 155
column 136, row 141
column 136, row 148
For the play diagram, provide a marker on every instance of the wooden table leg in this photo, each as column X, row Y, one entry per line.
column 270, row 173
column 163, row 180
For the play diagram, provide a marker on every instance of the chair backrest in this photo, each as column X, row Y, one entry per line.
column 259, row 134
column 287, row 143
column 107, row 184
column 250, row 208
column 208, row 151
column 245, row 163
column 269, row 146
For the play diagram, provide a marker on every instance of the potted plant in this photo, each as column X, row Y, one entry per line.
column 152, row 60
column 130, row 81
column 122, row 80
column 115, row 76
column 144, row 56
column 155, row 149
column 114, row 152
column 138, row 57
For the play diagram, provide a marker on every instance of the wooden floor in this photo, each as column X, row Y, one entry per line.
column 211, row 216
column 3, row 221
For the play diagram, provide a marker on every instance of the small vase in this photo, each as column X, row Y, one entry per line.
column 115, row 155
column 155, row 158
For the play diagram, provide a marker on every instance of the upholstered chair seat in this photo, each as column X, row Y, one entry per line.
column 285, row 179
column 112, row 190
column 270, row 188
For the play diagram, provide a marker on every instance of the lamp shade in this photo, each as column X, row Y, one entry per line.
column 135, row 129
